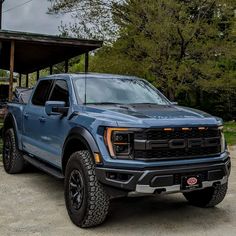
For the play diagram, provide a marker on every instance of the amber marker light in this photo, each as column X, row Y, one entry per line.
column 168, row 129
column 202, row 128
column 108, row 138
column 97, row 158
column 186, row 129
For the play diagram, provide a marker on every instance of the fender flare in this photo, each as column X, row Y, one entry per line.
column 12, row 119
column 84, row 136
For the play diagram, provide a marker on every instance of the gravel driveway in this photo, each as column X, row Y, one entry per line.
column 33, row 204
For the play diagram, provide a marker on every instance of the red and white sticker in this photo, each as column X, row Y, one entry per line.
column 192, row 181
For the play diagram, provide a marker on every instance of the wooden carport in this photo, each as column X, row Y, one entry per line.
column 25, row 53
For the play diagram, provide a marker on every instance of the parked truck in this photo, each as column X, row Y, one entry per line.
column 112, row 136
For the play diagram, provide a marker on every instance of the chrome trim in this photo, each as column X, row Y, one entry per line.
column 174, row 188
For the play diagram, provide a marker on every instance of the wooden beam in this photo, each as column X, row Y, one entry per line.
column 12, row 60
column 86, row 62
column 38, row 74
column 51, row 68
column 20, row 79
column 27, row 81
column 66, row 65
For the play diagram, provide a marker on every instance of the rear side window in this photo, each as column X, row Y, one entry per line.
column 41, row 93
column 60, row 92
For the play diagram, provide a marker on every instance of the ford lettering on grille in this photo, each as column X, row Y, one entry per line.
column 183, row 143
column 157, row 144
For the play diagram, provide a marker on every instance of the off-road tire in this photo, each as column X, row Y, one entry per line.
column 13, row 160
column 95, row 202
column 208, row 197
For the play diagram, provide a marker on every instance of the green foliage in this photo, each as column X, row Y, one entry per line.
column 92, row 18
column 185, row 48
column 3, row 73
column 230, row 132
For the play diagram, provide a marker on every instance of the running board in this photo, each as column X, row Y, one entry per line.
column 44, row 167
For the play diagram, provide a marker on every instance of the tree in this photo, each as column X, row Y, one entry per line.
column 184, row 47
column 93, row 18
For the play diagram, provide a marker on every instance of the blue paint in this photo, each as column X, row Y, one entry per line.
column 45, row 138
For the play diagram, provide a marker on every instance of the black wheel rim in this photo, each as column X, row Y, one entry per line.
column 7, row 151
column 76, row 189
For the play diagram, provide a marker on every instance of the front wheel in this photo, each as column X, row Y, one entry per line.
column 208, row 197
column 86, row 201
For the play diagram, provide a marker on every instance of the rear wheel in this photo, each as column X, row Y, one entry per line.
column 208, row 197
column 86, row 201
column 13, row 161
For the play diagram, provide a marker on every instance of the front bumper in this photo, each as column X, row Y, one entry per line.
column 163, row 179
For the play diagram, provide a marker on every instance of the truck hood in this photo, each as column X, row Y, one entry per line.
column 153, row 115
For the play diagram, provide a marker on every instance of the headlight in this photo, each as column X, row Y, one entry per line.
column 222, row 141
column 119, row 142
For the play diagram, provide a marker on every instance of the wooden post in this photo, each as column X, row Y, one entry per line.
column 20, row 78
column 66, row 65
column 38, row 74
column 27, row 81
column 12, row 59
column 86, row 64
column 51, row 70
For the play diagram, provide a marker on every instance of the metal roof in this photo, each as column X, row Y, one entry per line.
column 36, row 51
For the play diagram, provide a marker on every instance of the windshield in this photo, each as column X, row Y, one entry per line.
column 117, row 91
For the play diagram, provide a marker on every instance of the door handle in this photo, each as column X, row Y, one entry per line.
column 42, row 119
column 26, row 116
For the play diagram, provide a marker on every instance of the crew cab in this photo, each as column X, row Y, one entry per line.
column 111, row 136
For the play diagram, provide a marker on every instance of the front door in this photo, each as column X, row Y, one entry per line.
column 54, row 128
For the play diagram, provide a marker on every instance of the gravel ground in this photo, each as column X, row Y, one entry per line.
column 32, row 204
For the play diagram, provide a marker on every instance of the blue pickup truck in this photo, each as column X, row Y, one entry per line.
column 112, row 136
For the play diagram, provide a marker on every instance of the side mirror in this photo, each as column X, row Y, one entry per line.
column 174, row 103
column 56, row 108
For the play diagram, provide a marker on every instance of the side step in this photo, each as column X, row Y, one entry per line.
column 44, row 167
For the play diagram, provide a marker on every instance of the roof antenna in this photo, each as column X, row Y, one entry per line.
column 86, row 71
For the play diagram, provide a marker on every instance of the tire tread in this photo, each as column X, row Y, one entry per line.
column 98, row 199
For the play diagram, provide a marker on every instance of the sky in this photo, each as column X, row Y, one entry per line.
column 31, row 17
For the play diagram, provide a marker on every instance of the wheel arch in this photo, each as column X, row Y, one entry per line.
column 78, row 139
column 10, row 122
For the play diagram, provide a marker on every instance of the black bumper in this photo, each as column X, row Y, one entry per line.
column 128, row 180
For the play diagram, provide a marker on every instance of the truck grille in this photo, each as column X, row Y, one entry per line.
column 177, row 143
column 177, row 133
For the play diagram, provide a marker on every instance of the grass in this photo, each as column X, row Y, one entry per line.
column 230, row 132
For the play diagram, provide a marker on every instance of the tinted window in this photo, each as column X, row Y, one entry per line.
column 41, row 93
column 60, row 92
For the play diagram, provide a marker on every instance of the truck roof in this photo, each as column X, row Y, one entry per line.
column 92, row 75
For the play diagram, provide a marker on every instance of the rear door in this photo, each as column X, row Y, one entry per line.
column 33, row 118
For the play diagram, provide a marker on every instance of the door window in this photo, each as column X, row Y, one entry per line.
column 60, row 92
column 42, row 92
